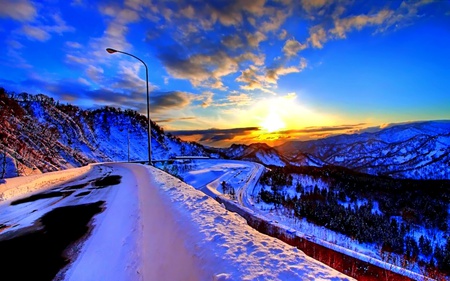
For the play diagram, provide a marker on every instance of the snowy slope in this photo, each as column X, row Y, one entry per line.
column 155, row 227
column 256, row 152
column 419, row 150
column 40, row 135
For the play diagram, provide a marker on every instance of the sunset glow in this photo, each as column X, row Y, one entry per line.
column 272, row 123
column 237, row 71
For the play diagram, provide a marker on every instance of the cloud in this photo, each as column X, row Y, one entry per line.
column 292, row 47
column 232, row 41
column 74, row 45
column 128, row 79
column 169, row 120
column 190, row 52
column 343, row 26
column 203, row 70
column 282, row 34
column 95, row 73
column 342, row 23
column 77, row 59
column 33, row 32
column 254, row 39
column 274, row 23
column 161, row 101
column 324, row 129
column 20, row 10
column 207, row 99
column 274, row 73
column 230, row 13
column 317, row 36
column 14, row 44
column 42, row 32
column 84, row 81
column 239, row 99
column 216, row 135
column 314, row 5
column 251, row 79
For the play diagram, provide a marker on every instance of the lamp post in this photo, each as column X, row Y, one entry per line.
column 149, row 130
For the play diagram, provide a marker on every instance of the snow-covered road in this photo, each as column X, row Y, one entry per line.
column 208, row 176
column 142, row 224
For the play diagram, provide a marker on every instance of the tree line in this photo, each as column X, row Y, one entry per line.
column 347, row 207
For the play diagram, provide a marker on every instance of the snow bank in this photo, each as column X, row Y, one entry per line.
column 189, row 236
column 13, row 187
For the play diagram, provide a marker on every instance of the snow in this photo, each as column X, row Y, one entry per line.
column 270, row 159
column 245, row 183
column 156, row 227
column 14, row 187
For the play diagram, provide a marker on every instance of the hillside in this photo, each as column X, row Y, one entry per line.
column 39, row 134
column 417, row 150
column 266, row 155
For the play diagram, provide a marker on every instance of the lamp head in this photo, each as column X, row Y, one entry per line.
column 111, row 51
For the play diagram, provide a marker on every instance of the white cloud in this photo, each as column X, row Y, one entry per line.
column 35, row 33
column 274, row 23
column 239, row 99
column 20, row 10
column 311, row 5
column 343, row 26
column 255, row 38
column 317, row 36
column 42, row 32
column 292, row 47
column 273, row 74
column 74, row 45
column 95, row 73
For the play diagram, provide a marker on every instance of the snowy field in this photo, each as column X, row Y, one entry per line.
column 148, row 225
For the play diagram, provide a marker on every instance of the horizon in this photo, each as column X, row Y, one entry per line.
column 237, row 72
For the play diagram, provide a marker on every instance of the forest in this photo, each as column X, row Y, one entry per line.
column 347, row 207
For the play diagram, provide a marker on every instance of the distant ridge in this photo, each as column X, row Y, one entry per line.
column 417, row 150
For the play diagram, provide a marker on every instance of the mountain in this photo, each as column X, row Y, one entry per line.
column 40, row 135
column 418, row 150
column 256, row 152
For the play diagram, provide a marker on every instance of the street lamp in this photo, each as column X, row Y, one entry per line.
column 149, row 130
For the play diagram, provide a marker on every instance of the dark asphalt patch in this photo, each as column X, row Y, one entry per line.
column 39, row 254
column 107, row 181
column 42, row 196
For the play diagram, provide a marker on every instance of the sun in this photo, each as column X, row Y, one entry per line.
column 273, row 123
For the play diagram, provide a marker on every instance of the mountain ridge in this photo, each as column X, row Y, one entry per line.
column 38, row 134
column 415, row 150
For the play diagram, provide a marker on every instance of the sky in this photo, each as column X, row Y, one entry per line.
column 236, row 71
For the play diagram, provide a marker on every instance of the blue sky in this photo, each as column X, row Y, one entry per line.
column 237, row 71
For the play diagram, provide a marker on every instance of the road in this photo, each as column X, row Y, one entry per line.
column 208, row 175
column 39, row 232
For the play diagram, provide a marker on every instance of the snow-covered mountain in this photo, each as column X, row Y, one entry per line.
column 417, row 150
column 41, row 135
column 269, row 156
column 256, row 152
